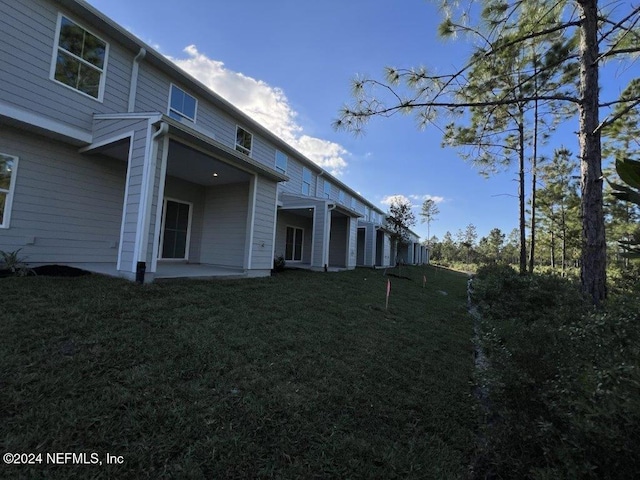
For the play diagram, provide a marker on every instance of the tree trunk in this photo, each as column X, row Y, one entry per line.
column 564, row 252
column 593, row 265
column 534, row 164
column 523, row 237
column 553, row 251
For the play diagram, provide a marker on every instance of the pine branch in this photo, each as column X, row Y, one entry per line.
column 610, row 120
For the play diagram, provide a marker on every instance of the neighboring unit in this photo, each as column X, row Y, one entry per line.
column 115, row 160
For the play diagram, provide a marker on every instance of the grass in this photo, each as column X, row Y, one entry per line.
column 301, row 375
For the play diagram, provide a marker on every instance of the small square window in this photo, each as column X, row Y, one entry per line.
column 281, row 162
column 79, row 59
column 243, row 141
column 182, row 105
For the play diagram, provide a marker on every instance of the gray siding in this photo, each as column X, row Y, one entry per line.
column 339, row 242
column 69, row 204
column 353, row 225
column 133, row 197
column 27, row 37
column 224, row 225
column 264, row 221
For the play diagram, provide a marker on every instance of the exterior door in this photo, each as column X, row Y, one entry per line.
column 293, row 247
column 176, row 225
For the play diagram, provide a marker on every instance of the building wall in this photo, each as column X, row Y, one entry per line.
column 224, row 225
column 27, row 38
column 67, row 207
column 264, row 221
column 339, row 241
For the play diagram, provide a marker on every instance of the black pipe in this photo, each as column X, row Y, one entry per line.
column 141, row 268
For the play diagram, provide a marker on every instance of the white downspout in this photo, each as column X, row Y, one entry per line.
column 134, row 79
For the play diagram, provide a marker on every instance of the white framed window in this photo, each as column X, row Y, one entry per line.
column 244, row 141
column 341, row 196
column 353, row 203
column 79, row 59
column 281, row 162
column 182, row 105
column 306, row 181
column 327, row 189
column 367, row 213
column 293, row 244
column 8, row 168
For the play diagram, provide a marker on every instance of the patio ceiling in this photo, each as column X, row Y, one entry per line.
column 196, row 167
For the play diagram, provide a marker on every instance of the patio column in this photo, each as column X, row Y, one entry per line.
column 138, row 239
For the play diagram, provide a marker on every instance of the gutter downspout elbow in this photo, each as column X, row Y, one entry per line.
column 163, row 130
column 134, row 79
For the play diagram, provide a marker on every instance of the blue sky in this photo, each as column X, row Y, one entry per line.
column 289, row 65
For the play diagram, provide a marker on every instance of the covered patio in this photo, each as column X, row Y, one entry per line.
column 169, row 270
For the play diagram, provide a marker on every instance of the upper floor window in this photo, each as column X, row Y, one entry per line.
column 341, row 196
column 281, row 162
column 353, row 203
column 182, row 105
column 306, row 181
column 366, row 213
column 79, row 59
column 8, row 166
column 327, row 189
column 243, row 141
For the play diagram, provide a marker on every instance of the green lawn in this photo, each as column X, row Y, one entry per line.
column 301, row 375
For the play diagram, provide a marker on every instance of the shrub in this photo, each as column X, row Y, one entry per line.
column 279, row 263
column 563, row 379
column 13, row 263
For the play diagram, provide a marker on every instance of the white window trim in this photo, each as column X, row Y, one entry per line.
column 353, row 203
column 235, row 141
column 169, row 109
column 304, row 182
column 54, row 60
column 6, row 221
column 188, row 241
column 301, row 244
column 341, row 197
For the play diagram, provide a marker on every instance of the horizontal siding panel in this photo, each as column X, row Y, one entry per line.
column 224, row 225
column 65, row 201
column 28, row 27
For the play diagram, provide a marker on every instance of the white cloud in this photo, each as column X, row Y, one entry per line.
column 422, row 198
column 415, row 200
column 389, row 199
column 267, row 105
